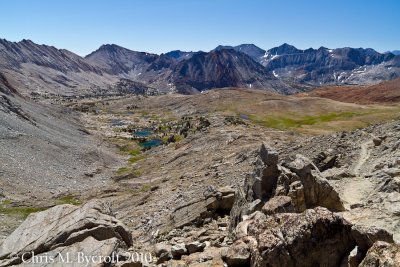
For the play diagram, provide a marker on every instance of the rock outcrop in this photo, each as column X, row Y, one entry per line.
column 317, row 190
column 213, row 201
column 296, row 186
column 316, row 237
column 238, row 254
column 367, row 236
column 382, row 254
column 286, row 217
column 66, row 228
column 322, row 65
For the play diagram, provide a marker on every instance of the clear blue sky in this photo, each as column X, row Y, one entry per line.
column 163, row 25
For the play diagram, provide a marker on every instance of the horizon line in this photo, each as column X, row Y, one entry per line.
column 193, row 51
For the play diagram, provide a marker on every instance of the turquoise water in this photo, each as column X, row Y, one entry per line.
column 151, row 143
column 143, row 132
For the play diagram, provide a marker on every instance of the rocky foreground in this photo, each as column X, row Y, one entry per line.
column 285, row 214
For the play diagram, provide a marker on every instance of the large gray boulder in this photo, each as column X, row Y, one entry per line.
column 316, row 237
column 63, row 228
column 85, row 253
column 278, row 204
column 259, row 185
column 317, row 190
column 212, row 201
column 238, row 254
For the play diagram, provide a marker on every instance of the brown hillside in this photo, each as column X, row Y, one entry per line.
column 385, row 92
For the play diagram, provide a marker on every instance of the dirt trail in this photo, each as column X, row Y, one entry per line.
column 364, row 155
column 357, row 189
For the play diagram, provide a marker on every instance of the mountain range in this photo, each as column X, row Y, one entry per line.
column 40, row 69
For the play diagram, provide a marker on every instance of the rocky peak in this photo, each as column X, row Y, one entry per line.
column 218, row 69
column 118, row 60
column 249, row 49
column 179, row 55
column 109, row 49
column 252, row 50
column 221, row 47
column 14, row 54
column 284, row 49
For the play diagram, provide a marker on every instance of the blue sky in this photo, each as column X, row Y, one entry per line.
column 163, row 25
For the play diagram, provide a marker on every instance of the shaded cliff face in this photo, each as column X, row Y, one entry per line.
column 179, row 55
column 330, row 66
column 335, row 59
column 221, row 68
column 324, row 66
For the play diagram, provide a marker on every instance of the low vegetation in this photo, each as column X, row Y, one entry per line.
column 7, row 208
column 137, row 158
column 122, row 170
column 326, row 122
column 293, row 113
column 283, row 122
column 68, row 199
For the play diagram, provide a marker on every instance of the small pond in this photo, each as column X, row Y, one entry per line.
column 151, row 143
column 143, row 132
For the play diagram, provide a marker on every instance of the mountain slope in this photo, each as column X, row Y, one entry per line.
column 179, row 55
column 315, row 67
column 329, row 66
column 118, row 60
column 385, row 92
column 187, row 72
column 249, row 49
column 13, row 55
column 41, row 69
column 223, row 68
column 36, row 69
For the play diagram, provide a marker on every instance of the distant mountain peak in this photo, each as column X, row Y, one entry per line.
column 26, row 41
column 178, row 54
column 111, row 47
column 249, row 49
column 286, row 45
column 284, row 68
column 220, row 47
column 107, row 46
column 283, row 49
column 223, row 67
column 249, row 45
